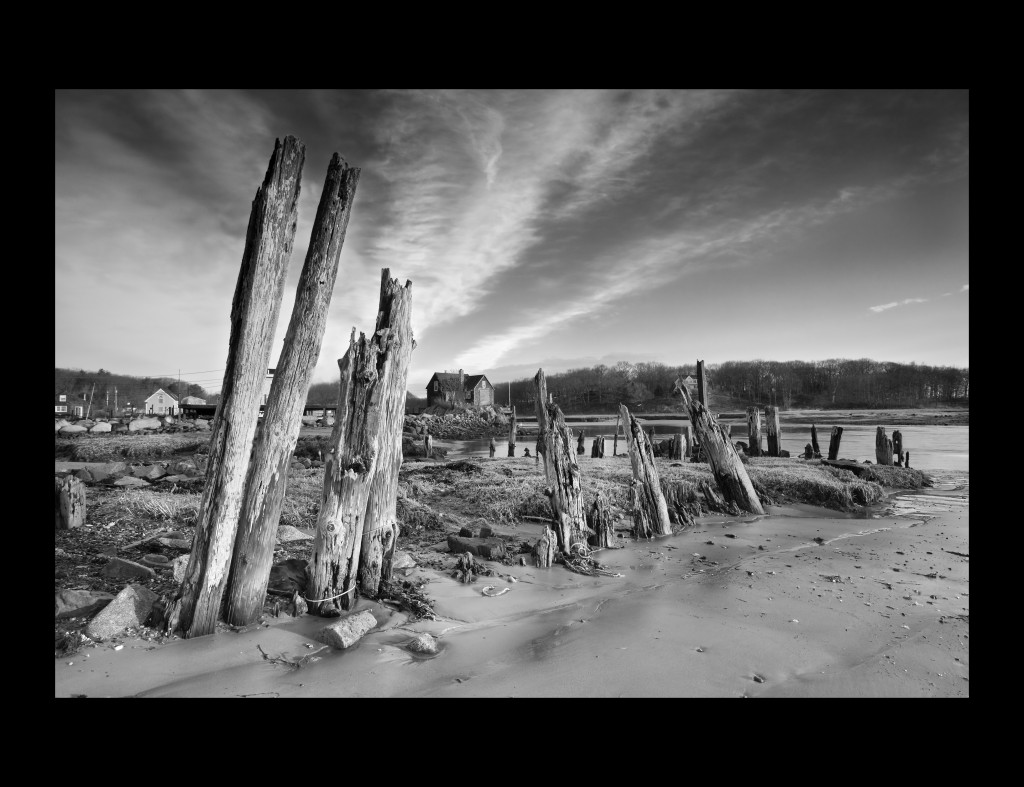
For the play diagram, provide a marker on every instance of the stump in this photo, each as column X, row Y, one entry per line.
column 600, row 521
column 544, row 549
column 650, row 512
column 677, row 447
column 754, row 430
column 68, row 503
column 883, row 447
column 808, row 451
column 814, row 442
column 833, row 443
column 771, row 415
column 897, row 447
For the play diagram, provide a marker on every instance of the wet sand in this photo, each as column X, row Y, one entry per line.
column 878, row 608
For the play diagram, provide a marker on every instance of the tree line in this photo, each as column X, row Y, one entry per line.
column 832, row 383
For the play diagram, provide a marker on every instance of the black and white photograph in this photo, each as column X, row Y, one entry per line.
column 511, row 393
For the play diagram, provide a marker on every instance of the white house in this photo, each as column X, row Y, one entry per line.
column 161, row 403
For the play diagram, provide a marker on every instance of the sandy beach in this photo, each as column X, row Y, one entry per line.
column 804, row 602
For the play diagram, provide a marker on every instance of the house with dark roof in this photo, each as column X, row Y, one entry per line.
column 460, row 389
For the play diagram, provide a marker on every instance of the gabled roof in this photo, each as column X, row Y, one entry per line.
column 161, row 391
column 473, row 380
column 448, row 381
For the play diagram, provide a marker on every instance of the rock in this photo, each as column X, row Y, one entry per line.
column 119, row 568
column 156, row 561
column 178, row 566
column 109, row 470
column 488, row 548
column 202, row 423
column 119, row 428
column 168, row 420
column 129, row 609
column 79, row 603
column 72, row 429
column 287, row 533
column 155, row 472
column 402, row 560
column 138, row 471
column 467, row 532
column 139, row 424
column 486, row 532
column 423, row 643
column 83, row 474
column 784, row 453
column 102, row 426
column 58, row 425
column 183, row 467
column 175, row 543
column 299, row 606
column 88, row 423
column 130, row 481
column 347, row 631
column 289, row 575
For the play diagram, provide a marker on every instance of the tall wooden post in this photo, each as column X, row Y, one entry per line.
column 541, row 396
column 579, row 444
column 728, row 470
column 833, row 442
column 562, row 471
column 677, row 446
column 650, row 513
column 512, row 434
column 771, row 417
column 754, row 431
column 267, row 477
column 883, row 447
column 814, row 442
column 702, row 384
column 897, row 446
column 254, row 312
column 615, row 440
column 380, row 530
column 687, row 442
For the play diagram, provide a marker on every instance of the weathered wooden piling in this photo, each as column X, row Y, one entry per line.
column 254, row 311
column 597, row 449
column 677, row 447
column 650, row 513
column 702, row 384
column 512, row 433
column 428, row 445
column 897, row 446
column 580, row 449
column 728, row 470
column 68, row 502
column 267, row 477
column 754, row 431
column 833, row 442
column 883, row 447
column 808, row 451
column 814, row 442
column 600, row 521
column 771, row 417
column 615, row 440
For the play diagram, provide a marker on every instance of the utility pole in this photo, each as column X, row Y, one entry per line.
column 89, row 408
column 115, row 401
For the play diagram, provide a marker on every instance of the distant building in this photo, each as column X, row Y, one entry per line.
column 461, row 389
column 161, row 403
column 191, row 400
column 690, row 382
column 61, row 406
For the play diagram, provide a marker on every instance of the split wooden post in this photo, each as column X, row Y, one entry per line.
column 677, row 446
column 615, row 439
column 883, row 447
column 771, row 417
column 897, row 446
column 267, row 478
column 833, row 442
column 906, row 459
column 512, row 434
column 597, row 449
column 580, row 449
column 428, row 445
column 702, row 384
column 356, row 443
column 729, row 472
column 541, row 396
column 68, row 502
column 599, row 520
column 753, row 430
column 814, row 442
column 380, row 528
column 254, row 311
column 650, row 513
column 563, row 473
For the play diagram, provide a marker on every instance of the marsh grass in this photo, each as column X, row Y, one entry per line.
column 138, row 447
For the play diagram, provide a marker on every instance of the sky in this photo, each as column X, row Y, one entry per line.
column 549, row 229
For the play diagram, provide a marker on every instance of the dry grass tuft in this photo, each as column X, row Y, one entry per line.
column 137, row 447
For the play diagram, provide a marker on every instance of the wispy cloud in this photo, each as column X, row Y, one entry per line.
column 886, row 306
column 965, row 288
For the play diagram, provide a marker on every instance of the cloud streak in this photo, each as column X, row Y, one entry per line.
column 905, row 302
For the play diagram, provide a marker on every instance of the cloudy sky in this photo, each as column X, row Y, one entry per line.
column 539, row 228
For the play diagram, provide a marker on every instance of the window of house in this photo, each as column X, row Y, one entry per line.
column 161, row 400
column 61, row 408
column 63, row 398
column 435, row 388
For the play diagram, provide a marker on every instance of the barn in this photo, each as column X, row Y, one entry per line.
column 459, row 389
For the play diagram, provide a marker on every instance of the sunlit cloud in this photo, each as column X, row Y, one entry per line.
column 965, row 288
column 906, row 301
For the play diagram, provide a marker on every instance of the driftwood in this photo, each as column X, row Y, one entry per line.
column 833, row 443
column 729, row 472
column 562, row 472
column 883, row 447
column 68, row 502
column 650, row 513
column 754, row 431
column 267, row 476
column 771, row 417
column 600, row 521
column 254, row 311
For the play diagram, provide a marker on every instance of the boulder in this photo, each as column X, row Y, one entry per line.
column 487, row 548
column 183, row 467
column 287, row 533
column 119, row 428
column 402, row 560
column 139, row 424
column 167, row 420
column 119, row 568
column 202, row 423
column 423, row 643
column 155, row 472
column 102, row 426
column 73, row 429
column 129, row 609
column 289, row 575
column 139, row 471
column 79, row 603
column 130, row 481
column 58, row 425
column 109, row 470
column 155, row 560
column 84, row 474
column 175, row 543
column 486, row 532
column 347, row 631
column 88, row 423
